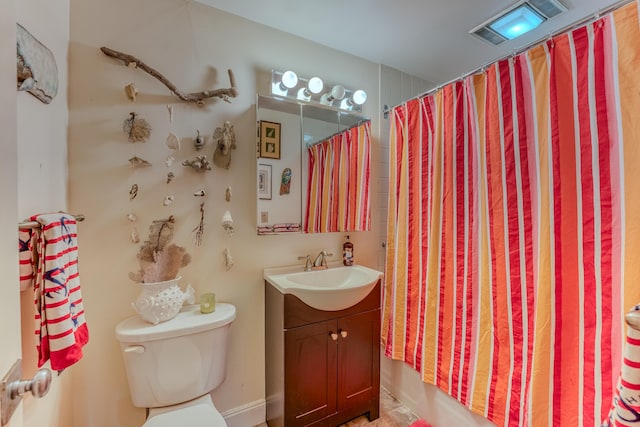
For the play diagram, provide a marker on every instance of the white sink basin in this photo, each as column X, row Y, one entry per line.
column 335, row 288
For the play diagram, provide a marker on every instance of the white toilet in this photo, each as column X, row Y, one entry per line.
column 172, row 366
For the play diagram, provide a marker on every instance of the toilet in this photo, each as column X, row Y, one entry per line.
column 173, row 366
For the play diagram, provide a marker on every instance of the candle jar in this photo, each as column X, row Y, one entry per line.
column 207, row 302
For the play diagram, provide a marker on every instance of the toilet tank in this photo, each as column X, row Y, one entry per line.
column 177, row 360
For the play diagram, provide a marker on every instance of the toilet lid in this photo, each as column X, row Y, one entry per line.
column 192, row 416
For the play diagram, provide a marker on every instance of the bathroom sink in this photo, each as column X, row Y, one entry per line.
column 331, row 289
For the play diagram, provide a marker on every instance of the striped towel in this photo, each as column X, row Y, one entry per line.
column 60, row 323
column 26, row 241
column 625, row 410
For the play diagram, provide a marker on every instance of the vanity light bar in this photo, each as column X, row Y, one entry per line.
column 288, row 84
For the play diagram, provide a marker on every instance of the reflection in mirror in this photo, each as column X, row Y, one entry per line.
column 283, row 183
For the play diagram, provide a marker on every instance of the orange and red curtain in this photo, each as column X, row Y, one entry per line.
column 513, row 242
column 338, row 186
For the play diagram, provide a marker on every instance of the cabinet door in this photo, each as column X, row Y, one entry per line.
column 359, row 360
column 310, row 373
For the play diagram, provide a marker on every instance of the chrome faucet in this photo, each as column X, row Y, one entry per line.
column 307, row 265
column 321, row 260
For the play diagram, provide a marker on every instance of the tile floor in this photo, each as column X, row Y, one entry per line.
column 392, row 414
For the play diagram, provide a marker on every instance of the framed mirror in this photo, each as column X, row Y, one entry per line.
column 283, row 168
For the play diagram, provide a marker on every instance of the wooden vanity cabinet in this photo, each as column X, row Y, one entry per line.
column 322, row 367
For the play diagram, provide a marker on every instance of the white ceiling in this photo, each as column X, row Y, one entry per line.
column 425, row 38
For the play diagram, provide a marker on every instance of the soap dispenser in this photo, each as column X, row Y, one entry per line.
column 347, row 253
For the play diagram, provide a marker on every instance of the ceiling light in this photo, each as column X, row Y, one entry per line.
column 517, row 20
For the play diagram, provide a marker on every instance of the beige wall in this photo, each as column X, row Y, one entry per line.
column 192, row 45
column 9, row 303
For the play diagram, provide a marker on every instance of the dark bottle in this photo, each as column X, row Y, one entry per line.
column 347, row 252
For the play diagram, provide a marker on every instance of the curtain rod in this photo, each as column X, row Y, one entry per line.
column 596, row 15
column 36, row 224
column 325, row 138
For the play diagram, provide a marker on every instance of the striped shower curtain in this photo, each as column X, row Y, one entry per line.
column 338, row 186
column 513, row 242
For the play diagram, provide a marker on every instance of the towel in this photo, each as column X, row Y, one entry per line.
column 420, row 423
column 26, row 241
column 61, row 328
column 625, row 409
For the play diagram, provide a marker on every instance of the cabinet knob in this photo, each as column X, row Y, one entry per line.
column 334, row 336
column 343, row 333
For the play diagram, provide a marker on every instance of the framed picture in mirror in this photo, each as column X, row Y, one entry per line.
column 264, row 182
column 269, row 140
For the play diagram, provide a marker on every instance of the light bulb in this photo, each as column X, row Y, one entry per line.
column 289, row 79
column 314, row 86
column 359, row 97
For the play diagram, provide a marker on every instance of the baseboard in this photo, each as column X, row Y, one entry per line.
column 251, row 414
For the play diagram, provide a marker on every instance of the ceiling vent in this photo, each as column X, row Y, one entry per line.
column 518, row 19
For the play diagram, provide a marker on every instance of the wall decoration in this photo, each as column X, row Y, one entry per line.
column 228, row 260
column 36, row 67
column 139, row 162
column 227, row 194
column 199, row 230
column 131, row 91
column 285, row 182
column 264, row 182
column 200, row 163
column 269, row 140
column 173, row 142
column 198, row 142
column 227, row 223
column 224, row 139
column 137, row 129
column 198, row 97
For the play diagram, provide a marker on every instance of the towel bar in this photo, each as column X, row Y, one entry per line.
column 36, row 224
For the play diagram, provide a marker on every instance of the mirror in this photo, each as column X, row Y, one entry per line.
column 285, row 131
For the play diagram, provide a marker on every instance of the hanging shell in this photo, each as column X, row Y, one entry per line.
column 227, row 194
column 134, row 236
column 200, row 193
column 170, row 110
column 133, row 191
column 168, row 199
column 138, row 130
column 173, row 142
column 170, row 177
column 131, row 91
column 198, row 141
column 170, row 160
column 200, row 163
column 132, row 217
column 138, row 162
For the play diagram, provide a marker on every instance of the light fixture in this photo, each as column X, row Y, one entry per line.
column 517, row 20
column 314, row 86
column 337, row 93
column 289, row 85
column 289, row 80
column 358, row 97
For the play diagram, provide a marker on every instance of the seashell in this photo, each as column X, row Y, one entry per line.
column 170, row 160
column 228, row 260
column 138, row 162
column 131, row 91
column 135, row 238
column 133, row 191
column 227, row 223
column 170, row 110
column 173, row 142
column 199, row 141
column 168, row 200
column 170, row 177
column 200, row 163
column 200, row 193
column 132, row 217
column 227, row 194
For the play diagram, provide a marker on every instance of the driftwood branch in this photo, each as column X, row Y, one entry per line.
column 197, row 97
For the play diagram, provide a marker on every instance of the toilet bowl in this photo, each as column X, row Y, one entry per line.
column 173, row 366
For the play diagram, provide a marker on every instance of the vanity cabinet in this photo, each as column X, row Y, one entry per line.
column 322, row 367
